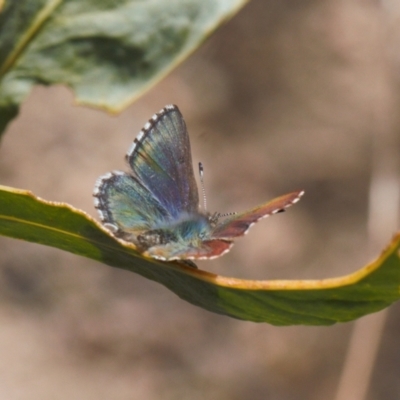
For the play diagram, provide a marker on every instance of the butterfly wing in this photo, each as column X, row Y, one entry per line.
column 206, row 250
column 161, row 158
column 125, row 206
column 238, row 224
column 223, row 234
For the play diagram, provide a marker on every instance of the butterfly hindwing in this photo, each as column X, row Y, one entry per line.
column 207, row 249
column 125, row 206
column 161, row 159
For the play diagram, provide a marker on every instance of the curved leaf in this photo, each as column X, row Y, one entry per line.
column 108, row 52
column 278, row 302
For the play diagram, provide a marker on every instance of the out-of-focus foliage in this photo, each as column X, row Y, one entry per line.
column 108, row 52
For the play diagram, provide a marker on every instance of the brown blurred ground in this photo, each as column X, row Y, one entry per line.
column 287, row 95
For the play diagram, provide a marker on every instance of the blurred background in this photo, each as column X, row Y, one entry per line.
column 287, row 95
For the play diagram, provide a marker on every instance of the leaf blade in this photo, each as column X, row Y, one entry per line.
column 278, row 302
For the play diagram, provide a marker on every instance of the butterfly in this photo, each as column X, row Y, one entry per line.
column 156, row 205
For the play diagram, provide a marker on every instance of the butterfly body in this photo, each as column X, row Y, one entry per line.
column 189, row 231
column 156, row 206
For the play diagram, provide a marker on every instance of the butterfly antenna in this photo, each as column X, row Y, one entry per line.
column 201, row 173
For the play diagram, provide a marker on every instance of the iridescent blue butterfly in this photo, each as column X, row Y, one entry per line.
column 156, row 206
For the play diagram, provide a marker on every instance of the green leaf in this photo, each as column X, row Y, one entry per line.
column 107, row 51
column 278, row 302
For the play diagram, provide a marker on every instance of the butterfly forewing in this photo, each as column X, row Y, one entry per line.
column 238, row 224
column 161, row 159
